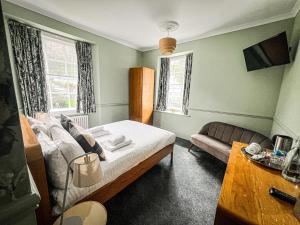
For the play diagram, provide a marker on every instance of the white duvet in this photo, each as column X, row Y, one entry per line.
column 146, row 141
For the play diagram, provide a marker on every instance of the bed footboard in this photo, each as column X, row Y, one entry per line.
column 111, row 189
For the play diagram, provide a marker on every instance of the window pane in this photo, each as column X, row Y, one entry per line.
column 57, row 85
column 73, row 86
column 73, row 101
column 61, row 71
column 70, row 53
column 66, row 85
column 53, row 49
column 55, row 67
column 72, row 70
column 60, row 101
column 176, row 85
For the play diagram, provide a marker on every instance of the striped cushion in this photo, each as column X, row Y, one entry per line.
column 83, row 137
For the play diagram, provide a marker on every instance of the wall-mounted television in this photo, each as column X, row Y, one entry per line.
column 271, row 52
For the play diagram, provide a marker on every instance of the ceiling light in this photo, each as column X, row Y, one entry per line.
column 167, row 44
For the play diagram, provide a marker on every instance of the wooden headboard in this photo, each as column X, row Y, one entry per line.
column 35, row 161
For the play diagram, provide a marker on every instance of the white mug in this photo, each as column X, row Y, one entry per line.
column 253, row 148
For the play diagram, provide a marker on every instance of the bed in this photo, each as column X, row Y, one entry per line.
column 122, row 167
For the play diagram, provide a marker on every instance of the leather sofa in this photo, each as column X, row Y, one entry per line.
column 216, row 138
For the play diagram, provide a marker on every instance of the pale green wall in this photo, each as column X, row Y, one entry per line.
column 221, row 84
column 221, row 88
column 287, row 116
column 111, row 60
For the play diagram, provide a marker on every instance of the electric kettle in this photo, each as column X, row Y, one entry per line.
column 282, row 143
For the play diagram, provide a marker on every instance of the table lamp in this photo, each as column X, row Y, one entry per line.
column 86, row 172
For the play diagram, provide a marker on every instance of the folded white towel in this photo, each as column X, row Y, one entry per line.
column 116, row 139
column 107, row 146
column 95, row 129
column 100, row 133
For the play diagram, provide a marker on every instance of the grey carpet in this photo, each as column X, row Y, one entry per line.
column 185, row 193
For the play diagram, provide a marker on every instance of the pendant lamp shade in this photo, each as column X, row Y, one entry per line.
column 87, row 171
column 167, row 45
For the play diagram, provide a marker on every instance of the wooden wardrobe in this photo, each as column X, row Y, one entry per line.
column 141, row 94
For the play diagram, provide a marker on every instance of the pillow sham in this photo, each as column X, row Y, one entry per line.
column 83, row 137
column 37, row 126
column 66, row 143
column 47, row 119
column 56, row 164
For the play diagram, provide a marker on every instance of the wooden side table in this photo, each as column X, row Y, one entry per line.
column 90, row 212
column 245, row 198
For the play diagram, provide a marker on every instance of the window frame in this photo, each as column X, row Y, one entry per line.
column 180, row 113
column 65, row 41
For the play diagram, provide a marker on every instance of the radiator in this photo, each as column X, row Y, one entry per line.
column 81, row 120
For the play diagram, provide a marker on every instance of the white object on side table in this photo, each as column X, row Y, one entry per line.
column 253, row 149
column 89, row 213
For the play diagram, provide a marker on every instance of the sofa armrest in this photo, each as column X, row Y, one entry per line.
column 204, row 129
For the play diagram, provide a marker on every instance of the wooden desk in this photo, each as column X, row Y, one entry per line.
column 244, row 197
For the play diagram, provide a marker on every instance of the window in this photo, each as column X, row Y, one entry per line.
column 176, row 84
column 61, row 72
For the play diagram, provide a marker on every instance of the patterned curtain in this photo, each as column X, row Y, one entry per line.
column 86, row 97
column 163, row 84
column 187, row 83
column 29, row 63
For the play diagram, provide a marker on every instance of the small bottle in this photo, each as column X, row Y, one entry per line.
column 291, row 165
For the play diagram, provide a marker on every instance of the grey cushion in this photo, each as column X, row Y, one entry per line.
column 65, row 122
column 56, row 164
column 66, row 143
column 212, row 146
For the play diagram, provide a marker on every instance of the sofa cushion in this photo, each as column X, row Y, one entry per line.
column 226, row 138
column 212, row 146
column 236, row 134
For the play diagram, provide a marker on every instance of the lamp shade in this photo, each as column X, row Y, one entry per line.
column 87, row 171
column 167, row 45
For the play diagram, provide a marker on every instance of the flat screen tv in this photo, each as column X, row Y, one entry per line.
column 271, row 52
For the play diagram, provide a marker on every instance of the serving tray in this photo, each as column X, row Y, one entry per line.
column 267, row 161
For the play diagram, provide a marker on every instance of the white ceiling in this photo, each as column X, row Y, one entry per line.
column 135, row 22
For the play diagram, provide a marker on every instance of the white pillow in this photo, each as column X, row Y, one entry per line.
column 37, row 126
column 45, row 141
column 68, row 146
column 47, row 119
column 56, row 164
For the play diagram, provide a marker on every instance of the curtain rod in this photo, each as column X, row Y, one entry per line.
column 31, row 24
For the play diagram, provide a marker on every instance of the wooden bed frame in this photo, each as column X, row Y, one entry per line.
column 36, row 164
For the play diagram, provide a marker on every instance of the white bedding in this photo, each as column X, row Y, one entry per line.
column 146, row 141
